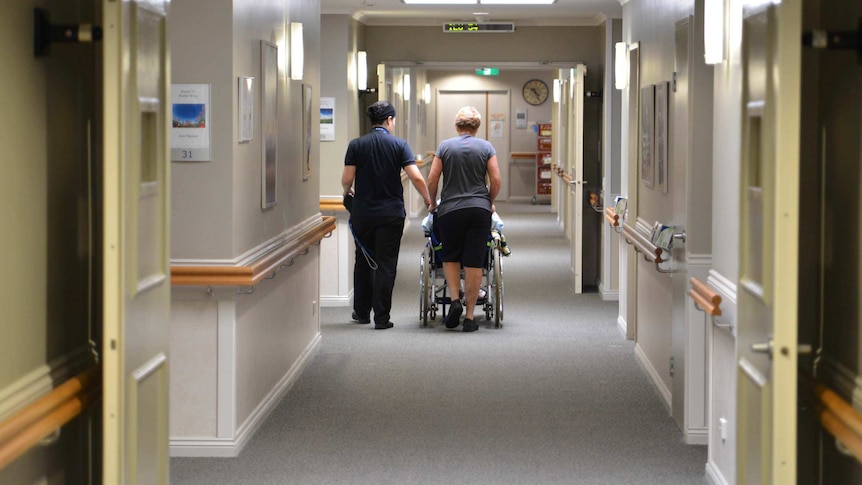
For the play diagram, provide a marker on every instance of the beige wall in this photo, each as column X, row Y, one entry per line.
column 48, row 225
column 216, row 209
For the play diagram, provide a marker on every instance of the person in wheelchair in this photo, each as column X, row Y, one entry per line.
column 464, row 212
column 496, row 233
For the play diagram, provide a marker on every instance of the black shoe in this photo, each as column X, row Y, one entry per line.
column 360, row 320
column 454, row 314
column 383, row 326
column 470, row 325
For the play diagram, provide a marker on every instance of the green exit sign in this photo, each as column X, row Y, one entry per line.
column 488, row 71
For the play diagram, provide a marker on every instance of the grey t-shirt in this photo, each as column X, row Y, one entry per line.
column 465, row 163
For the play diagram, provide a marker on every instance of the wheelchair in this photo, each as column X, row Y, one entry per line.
column 434, row 294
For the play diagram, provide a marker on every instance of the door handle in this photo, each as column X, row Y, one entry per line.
column 767, row 347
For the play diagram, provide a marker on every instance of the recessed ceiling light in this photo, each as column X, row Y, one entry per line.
column 475, row 2
column 439, row 2
column 517, row 2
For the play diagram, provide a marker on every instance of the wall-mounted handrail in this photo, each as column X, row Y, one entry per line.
column 330, row 204
column 25, row 429
column 651, row 252
column 704, row 297
column 840, row 419
column 643, row 245
column 523, row 158
column 612, row 217
column 265, row 266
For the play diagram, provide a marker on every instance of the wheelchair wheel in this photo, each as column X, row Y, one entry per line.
column 424, row 287
column 498, row 287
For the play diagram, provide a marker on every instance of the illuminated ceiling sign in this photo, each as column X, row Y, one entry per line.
column 478, row 27
column 488, row 71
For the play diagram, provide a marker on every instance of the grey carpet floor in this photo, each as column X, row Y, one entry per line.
column 555, row 396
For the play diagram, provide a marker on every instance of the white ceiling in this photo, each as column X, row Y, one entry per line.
column 395, row 12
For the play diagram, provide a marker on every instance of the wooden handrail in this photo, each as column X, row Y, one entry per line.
column 840, row 418
column 251, row 274
column 705, row 297
column 612, row 217
column 26, row 428
column 642, row 245
column 332, row 204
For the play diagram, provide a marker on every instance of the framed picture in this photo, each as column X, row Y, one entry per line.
column 268, row 103
column 647, row 134
column 306, row 131
column 661, row 107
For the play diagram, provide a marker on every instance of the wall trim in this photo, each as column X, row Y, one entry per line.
column 258, row 251
column 713, row 474
column 231, row 447
column 727, row 289
column 654, row 376
column 41, row 381
column 845, row 382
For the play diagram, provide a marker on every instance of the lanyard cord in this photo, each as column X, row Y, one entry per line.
column 365, row 252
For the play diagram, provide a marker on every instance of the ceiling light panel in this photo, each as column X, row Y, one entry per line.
column 439, row 2
column 516, row 2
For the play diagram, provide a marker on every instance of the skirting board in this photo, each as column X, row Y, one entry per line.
column 334, row 301
column 654, row 375
column 609, row 295
column 227, row 448
column 697, row 436
column 713, row 474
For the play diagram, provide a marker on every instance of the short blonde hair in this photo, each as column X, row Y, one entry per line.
column 468, row 119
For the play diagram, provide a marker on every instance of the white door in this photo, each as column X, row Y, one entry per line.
column 575, row 157
column 136, row 267
column 494, row 108
column 767, row 332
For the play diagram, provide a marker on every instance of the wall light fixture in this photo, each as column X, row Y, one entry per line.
column 621, row 65
column 297, row 51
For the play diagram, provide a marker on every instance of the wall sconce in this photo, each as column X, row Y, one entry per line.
column 621, row 65
column 297, row 51
column 362, row 71
column 405, row 91
column 427, row 93
column 557, row 87
column 714, row 31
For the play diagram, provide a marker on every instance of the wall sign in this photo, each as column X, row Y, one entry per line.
column 190, row 122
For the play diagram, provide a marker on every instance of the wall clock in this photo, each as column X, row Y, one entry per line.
column 535, row 92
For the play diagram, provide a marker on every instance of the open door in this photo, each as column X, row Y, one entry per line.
column 136, row 266
column 767, row 332
column 575, row 156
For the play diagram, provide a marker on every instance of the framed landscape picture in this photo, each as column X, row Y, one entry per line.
column 661, row 141
column 647, row 135
column 307, row 121
column 269, row 115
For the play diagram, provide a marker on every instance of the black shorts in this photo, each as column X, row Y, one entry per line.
column 464, row 234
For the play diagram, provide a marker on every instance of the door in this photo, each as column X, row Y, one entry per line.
column 575, row 157
column 494, row 108
column 678, row 162
column 136, row 291
column 633, row 143
column 767, row 328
